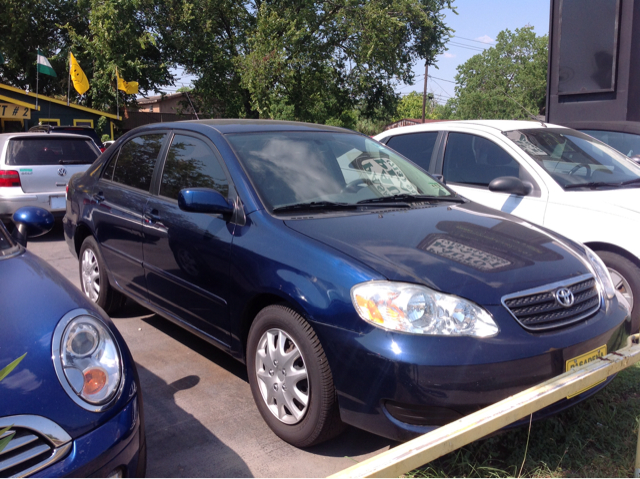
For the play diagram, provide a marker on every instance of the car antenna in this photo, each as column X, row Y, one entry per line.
column 531, row 115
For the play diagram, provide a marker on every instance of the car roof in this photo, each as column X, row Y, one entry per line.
column 485, row 125
column 226, row 126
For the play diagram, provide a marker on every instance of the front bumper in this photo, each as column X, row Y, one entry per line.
column 118, row 444
column 402, row 385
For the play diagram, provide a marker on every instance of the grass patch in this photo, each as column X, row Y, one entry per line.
column 596, row 438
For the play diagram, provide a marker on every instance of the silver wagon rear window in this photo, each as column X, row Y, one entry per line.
column 45, row 150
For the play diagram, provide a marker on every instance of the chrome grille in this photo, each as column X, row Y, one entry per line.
column 36, row 443
column 537, row 309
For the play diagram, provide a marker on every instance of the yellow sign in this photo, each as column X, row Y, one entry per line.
column 584, row 359
column 9, row 110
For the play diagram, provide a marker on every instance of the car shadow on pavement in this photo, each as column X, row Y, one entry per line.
column 352, row 443
column 178, row 444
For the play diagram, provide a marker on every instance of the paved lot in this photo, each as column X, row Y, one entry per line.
column 200, row 416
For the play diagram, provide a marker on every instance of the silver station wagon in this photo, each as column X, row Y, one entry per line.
column 35, row 169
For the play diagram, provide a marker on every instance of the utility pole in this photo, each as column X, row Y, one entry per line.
column 424, row 94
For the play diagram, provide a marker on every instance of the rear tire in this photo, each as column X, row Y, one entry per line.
column 300, row 406
column 94, row 281
column 626, row 279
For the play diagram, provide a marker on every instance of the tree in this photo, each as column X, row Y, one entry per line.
column 491, row 84
column 24, row 32
column 316, row 61
column 121, row 34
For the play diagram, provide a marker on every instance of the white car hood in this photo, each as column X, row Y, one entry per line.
column 623, row 202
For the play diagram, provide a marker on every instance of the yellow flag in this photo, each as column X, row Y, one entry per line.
column 129, row 87
column 79, row 79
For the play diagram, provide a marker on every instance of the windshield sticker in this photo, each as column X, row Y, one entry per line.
column 385, row 176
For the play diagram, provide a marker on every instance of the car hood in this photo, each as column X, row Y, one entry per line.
column 620, row 202
column 468, row 250
column 34, row 299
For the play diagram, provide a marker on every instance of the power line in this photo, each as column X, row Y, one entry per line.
column 471, row 40
column 468, row 47
column 441, row 79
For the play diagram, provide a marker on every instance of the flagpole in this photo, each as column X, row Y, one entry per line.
column 69, row 79
column 117, row 107
column 37, row 76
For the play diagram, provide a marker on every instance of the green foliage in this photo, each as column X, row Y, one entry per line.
column 23, row 32
column 316, row 61
column 119, row 34
column 105, row 137
column 103, row 126
column 596, row 438
column 515, row 67
column 4, row 372
column 410, row 106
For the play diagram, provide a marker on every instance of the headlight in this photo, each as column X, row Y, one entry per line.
column 417, row 309
column 601, row 272
column 87, row 360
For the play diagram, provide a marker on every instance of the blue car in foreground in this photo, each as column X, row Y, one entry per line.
column 73, row 403
column 356, row 288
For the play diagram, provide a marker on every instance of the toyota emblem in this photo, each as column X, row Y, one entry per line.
column 62, row 171
column 565, row 297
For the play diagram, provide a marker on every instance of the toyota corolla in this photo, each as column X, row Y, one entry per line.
column 356, row 288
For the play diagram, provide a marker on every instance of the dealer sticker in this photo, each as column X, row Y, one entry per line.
column 585, row 359
column 26, row 171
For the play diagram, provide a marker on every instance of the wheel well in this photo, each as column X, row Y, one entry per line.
column 82, row 231
column 256, row 305
column 614, row 249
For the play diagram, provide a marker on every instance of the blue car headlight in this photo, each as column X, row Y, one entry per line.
column 416, row 309
column 87, row 360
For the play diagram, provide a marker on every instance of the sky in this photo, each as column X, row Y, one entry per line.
column 476, row 26
column 477, row 21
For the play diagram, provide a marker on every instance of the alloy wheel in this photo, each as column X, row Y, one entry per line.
column 90, row 275
column 282, row 376
column 621, row 285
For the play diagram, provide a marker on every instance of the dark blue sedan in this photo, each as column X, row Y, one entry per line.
column 72, row 405
column 356, row 288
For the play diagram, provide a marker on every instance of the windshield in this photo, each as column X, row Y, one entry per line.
column 626, row 143
column 290, row 168
column 7, row 245
column 574, row 158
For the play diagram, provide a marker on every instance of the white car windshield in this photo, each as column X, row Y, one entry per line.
column 576, row 160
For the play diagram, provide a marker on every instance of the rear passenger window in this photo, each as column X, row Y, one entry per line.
column 135, row 163
column 191, row 164
column 475, row 160
column 418, row 147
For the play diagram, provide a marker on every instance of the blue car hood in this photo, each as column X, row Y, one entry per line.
column 34, row 298
column 465, row 249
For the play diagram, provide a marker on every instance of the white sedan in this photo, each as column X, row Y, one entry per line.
column 556, row 177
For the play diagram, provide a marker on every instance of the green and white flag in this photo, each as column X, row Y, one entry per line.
column 44, row 66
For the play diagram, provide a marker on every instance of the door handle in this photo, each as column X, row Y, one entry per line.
column 98, row 197
column 151, row 215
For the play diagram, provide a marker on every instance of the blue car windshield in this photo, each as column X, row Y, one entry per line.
column 7, row 245
column 574, row 159
column 290, row 168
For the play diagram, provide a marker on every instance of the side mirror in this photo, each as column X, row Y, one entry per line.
column 636, row 158
column 31, row 222
column 203, row 200
column 512, row 185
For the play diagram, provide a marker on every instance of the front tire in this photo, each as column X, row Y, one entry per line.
column 94, row 281
column 626, row 280
column 290, row 378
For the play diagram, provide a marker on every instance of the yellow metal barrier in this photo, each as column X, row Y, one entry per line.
column 430, row 446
